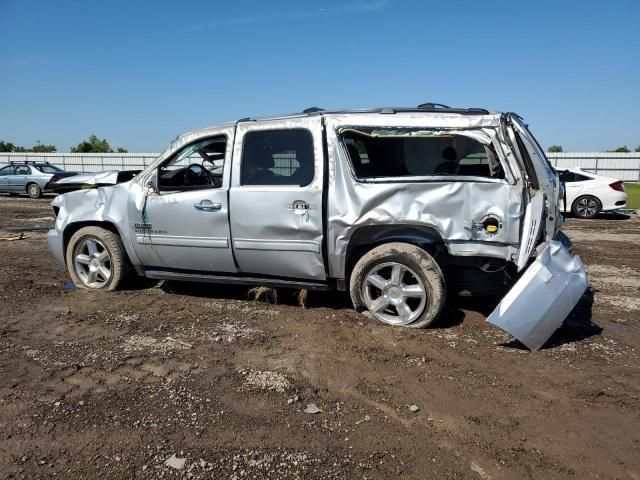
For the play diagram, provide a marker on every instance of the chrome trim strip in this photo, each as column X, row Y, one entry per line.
column 182, row 241
column 281, row 245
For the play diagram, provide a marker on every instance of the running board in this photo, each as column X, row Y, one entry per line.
column 234, row 280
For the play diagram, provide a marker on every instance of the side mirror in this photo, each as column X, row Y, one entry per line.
column 151, row 183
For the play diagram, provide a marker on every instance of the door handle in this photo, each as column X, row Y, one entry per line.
column 208, row 206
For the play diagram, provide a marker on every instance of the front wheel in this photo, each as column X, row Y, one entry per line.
column 586, row 207
column 96, row 259
column 399, row 284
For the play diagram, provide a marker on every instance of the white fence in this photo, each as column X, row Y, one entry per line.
column 623, row 166
column 85, row 162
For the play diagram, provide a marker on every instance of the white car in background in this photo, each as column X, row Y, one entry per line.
column 588, row 194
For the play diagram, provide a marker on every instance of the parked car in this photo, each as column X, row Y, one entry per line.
column 397, row 206
column 31, row 178
column 92, row 180
column 589, row 194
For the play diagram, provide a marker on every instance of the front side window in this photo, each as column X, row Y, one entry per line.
column 277, row 157
column 6, row 171
column 196, row 166
column 378, row 154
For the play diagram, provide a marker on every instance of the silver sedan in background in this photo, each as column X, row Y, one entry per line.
column 30, row 178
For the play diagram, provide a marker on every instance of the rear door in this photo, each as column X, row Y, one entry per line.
column 18, row 181
column 276, row 198
column 572, row 186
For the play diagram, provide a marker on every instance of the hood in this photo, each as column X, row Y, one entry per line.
column 110, row 177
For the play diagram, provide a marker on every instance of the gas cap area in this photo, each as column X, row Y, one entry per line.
column 491, row 225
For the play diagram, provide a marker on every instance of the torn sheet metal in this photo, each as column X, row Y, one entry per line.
column 92, row 180
column 541, row 299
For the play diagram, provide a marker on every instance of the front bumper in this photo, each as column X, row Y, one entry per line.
column 56, row 245
column 540, row 301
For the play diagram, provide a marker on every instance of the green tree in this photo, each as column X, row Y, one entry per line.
column 95, row 145
column 92, row 145
column 44, row 148
column 555, row 149
column 122, row 150
column 623, row 149
column 10, row 147
column 7, row 146
column 637, row 148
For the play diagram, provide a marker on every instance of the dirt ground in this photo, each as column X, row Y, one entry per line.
column 113, row 384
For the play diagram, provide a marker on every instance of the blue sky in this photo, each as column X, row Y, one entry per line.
column 139, row 73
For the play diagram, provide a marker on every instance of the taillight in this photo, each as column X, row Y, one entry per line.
column 619, row 185
column 55, row 178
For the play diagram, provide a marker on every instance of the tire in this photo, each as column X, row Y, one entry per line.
column 34, row 190
column 586, row 206
column 414, row 270
column 89, row 273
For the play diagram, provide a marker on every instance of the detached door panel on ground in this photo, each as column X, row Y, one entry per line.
column 276, row 199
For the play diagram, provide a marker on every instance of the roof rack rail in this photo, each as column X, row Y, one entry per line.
column 24, row 162
column 439, row 107
column 432, row 106
column 313, row 110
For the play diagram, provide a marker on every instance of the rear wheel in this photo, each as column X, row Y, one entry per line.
column 34, row 190
column 586, row 207
column 96, row 259
column 399, row 284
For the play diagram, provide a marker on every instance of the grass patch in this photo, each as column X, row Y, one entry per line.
column 633, row 195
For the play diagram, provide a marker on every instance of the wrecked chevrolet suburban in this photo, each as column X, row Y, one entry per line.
column 398, row 206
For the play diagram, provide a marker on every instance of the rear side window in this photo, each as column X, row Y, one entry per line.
column 23, row 170
column 278, row 157
column 48, row 169
column 378, row 154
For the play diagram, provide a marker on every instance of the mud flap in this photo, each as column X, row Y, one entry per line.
column 543, row 297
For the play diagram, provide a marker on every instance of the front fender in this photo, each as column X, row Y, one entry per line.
column 104, row 205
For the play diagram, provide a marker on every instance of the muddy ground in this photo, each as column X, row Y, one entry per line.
column 101, row 384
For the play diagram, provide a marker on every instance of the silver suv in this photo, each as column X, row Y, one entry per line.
column 398, row 206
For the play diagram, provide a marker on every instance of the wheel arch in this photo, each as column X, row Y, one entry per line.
column 369, row 237
column 32, row 182
column 75, row 226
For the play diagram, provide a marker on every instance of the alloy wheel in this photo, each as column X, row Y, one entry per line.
column 587, row 207
column 92, row 262
column 394, row 293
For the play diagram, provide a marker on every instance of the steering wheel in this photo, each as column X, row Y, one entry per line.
column 196, row 172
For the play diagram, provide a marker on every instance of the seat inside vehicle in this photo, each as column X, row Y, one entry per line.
column 376, row 154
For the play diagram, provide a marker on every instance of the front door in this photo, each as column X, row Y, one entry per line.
column 5, row 175
column 183, row 224
column 276, row 198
